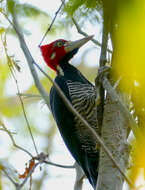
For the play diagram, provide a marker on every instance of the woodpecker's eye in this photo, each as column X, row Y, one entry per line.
column 59, row 43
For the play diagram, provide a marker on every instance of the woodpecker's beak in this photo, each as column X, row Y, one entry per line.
column 70, row 46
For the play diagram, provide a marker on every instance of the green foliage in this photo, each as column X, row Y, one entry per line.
column 25, row 12
column 83, row 11
column 24, row 9
column 2, row 30
column 73, row 5
column 28, row 10
column 10, row 6
column 8, row 104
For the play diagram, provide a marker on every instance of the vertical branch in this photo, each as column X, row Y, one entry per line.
column 100, row 107
column 104, row 46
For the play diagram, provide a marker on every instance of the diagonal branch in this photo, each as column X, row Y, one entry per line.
column 30, row 60
column 9, row 177
column 12, row 139
column 50, row 26
column 113, row 95
column 96, row 42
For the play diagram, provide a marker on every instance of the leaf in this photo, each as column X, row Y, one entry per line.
column 29, row 10
column 10, row 6
column 0, row 180
column 1, row 167
column 73, row 5
column 27, row 169
column 2, row 30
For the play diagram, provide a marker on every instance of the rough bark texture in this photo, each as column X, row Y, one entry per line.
column 114, row 133
column 103, row 57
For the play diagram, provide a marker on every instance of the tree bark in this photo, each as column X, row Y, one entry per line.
column 114, row 134
column 103, row 58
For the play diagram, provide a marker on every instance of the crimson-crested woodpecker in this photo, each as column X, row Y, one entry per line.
column 82, row 95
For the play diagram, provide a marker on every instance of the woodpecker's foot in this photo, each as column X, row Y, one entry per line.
column 98, row 99
column 102, row 71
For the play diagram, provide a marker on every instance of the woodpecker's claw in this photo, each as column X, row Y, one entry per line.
column 102, row 71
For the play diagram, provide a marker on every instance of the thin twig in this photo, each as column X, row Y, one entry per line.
column 17, row 185
column 9, row 177
column 29, row 95
column 50, row 26
column 26, row 119
column 20, row 98
column 13, row 141
column 96, row 42
column 59, row 165
column 42, row 157
column 30, row 187
column 7, row 130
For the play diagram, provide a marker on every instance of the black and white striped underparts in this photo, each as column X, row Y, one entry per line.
column 83, row 98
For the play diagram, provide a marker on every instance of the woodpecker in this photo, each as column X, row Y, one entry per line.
column 82, row 95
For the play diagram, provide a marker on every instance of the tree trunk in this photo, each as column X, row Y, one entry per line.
column 114, row 134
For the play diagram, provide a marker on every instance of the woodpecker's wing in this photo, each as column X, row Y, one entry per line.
column 83, row 97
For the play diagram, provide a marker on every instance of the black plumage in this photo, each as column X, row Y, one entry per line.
column 82, row 94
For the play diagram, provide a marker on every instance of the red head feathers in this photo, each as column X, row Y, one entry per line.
column 55, row 51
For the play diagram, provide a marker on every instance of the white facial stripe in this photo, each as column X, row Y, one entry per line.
column 60, row 71
column 52, row 55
